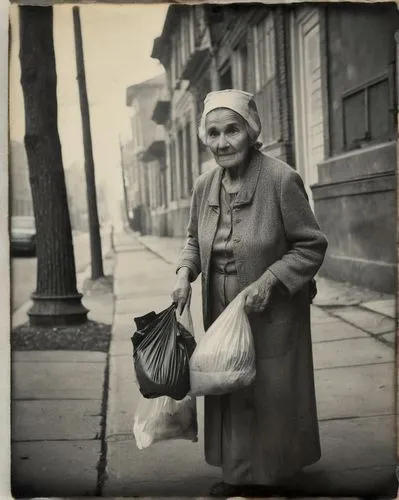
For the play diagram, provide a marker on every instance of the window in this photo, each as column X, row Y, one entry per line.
column 179, row 57
column 187, row 35
column 163, row 188
column 172, row 167
column 176, row 62
column 189, row 161
column 266, row 87
column 204, row 87
column 159, row 186
column 199, row 23
column 181, row 162
column 226, row 80
column 240, row 61
column 183, row 46
column 146, row 186
column 172, row 63
column 137, row 134
column 191, row 21
column 265, row 61
column 368, row 113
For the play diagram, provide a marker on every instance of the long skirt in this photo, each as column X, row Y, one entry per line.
column 229, row 416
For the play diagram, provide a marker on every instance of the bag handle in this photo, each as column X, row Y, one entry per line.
column 185, row 317
column 187, row 304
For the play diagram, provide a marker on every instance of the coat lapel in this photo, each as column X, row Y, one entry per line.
column 209, row 228
column 250, row 181
column 214, row 191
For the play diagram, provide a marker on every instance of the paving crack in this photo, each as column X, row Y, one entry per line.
column 102, row 462
column 376, row 336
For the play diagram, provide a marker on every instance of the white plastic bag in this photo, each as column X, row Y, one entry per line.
column 224, row 359
column 163, row 418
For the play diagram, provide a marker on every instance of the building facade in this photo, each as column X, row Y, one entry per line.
column 354, row 186
column 143, row 159
column 324, row 78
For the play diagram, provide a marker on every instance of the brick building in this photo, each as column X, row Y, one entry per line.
column 143, row 159
column 325, row 84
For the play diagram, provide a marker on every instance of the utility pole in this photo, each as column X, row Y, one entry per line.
column 94, row 225
column 124, row 181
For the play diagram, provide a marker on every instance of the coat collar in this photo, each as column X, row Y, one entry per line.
column 250, row 181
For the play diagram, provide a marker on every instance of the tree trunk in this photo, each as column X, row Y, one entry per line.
column 97, row 270
column 56, row 300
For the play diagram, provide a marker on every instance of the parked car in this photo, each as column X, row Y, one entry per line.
column 23, row 234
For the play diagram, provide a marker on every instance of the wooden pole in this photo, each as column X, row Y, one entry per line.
column 94, row 225
column 125, row 193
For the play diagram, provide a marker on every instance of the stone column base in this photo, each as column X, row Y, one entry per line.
column 57, row 310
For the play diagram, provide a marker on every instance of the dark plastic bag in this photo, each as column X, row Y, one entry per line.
column 162, row 348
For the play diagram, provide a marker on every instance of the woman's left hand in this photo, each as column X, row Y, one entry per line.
column 257, row 295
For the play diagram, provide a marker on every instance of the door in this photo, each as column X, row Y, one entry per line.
column 307, row 94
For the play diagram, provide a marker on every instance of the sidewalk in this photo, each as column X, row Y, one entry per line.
column 58, row 410
column 354, row 367
column 82, row 262
column 72, row 412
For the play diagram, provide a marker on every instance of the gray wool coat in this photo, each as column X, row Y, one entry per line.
column 273, row 228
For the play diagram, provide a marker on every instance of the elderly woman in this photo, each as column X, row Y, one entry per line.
column 252, row 231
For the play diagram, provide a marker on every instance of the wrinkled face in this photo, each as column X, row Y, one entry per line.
column 227, row 137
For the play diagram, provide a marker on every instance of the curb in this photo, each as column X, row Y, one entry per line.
column 20, row 315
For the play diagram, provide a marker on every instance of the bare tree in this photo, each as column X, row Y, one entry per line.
column 56, row 300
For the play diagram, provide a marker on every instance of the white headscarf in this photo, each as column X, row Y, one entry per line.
column 241, row 102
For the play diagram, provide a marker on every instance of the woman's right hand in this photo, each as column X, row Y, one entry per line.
column 182, row 290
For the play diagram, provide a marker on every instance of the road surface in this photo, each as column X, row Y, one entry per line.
column 23, row 269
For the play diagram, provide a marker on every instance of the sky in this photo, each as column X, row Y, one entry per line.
column 117, row 43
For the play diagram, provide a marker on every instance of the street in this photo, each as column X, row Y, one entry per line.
column 23, row 269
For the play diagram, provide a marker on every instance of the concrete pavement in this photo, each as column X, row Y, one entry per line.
column 73, row 411
column 354, row 367
column 58, row 412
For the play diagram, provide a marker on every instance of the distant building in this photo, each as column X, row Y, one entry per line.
column 104, row 215
column 75, row 180
column 324, row 77
column 144, row 159
column 20, row 191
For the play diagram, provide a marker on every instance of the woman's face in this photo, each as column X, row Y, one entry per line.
column 227, row 137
